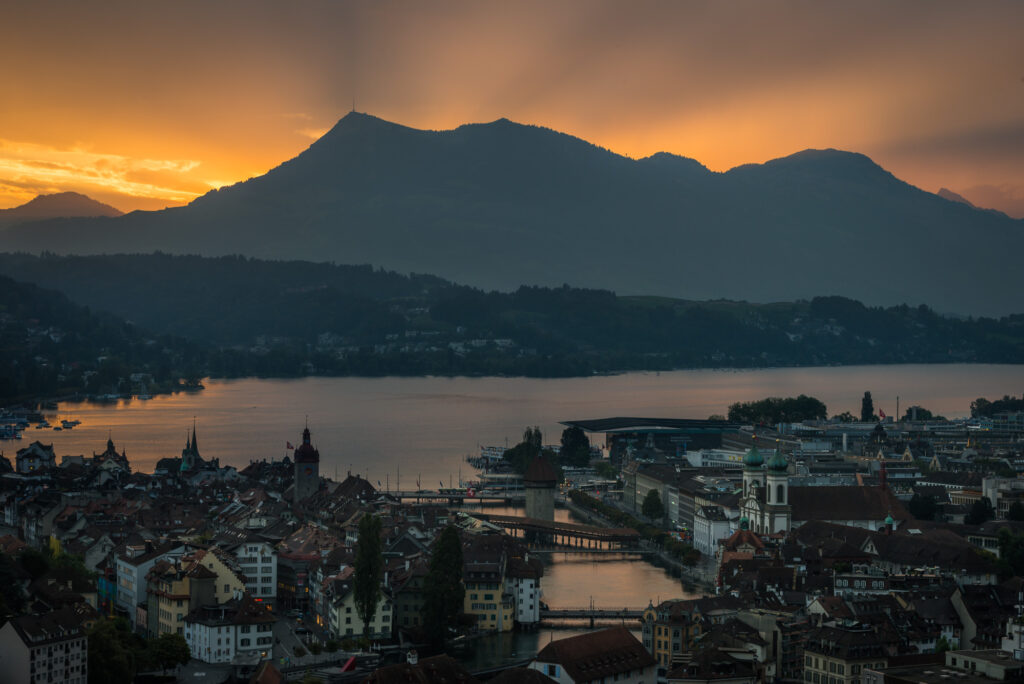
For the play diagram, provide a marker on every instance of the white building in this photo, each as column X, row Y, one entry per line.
column 709, row 525
column 715, row 458
column 132, row 567
column 36, row 456
column 522, row 581
column 343, row 620
column 44, row 648
column 258, row 562
column 241, row 627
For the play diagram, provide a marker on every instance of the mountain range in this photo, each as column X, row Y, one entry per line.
column 500, row 205
column 57, row 205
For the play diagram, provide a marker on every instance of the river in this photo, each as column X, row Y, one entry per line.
column 396, row 430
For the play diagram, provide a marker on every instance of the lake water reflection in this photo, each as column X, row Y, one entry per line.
column 397, row 429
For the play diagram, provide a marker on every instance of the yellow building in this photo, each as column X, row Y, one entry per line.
column 484, row 566
column 203, row 578
column 174, row 590
column 230, row 580
column 670, row 629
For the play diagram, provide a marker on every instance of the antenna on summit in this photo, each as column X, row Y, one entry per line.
column 353, row 103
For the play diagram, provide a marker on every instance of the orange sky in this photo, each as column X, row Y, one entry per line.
column 144, row 105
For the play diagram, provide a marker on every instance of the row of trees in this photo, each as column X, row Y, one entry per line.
column 573, row 452
column 677, row 549
column 774, row 410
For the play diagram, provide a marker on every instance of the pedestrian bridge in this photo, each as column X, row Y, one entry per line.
column 591, row 613
column 571, row 535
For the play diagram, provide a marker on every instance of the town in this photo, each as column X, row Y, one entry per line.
column 822, row 551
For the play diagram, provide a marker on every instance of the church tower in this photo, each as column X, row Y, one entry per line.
column 307, row 469
column 778, row 512
column 190, row 458
column 753, row 473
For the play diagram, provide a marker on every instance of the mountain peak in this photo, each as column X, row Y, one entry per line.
column 56, row 205
column 946, row 193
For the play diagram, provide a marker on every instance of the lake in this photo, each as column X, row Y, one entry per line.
column 399, row 429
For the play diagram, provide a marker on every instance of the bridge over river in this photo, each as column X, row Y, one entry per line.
column 569, row 535
column 593, row 614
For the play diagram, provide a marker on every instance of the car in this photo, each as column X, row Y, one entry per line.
column 301, row 630
column 294, row 613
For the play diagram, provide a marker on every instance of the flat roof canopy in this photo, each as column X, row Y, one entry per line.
column 668, row 425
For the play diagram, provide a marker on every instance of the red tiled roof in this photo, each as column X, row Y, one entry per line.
column 595, row 655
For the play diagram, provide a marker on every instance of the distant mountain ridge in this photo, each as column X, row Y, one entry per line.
column 56, row 205
column 500, row 205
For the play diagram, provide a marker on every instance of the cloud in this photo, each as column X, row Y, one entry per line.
column 28, row 169
column 313, row 133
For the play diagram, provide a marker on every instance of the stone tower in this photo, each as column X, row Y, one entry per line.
column 307, row 469
column 540, row 482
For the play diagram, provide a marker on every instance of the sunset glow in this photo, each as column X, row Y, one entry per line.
column 188, row 97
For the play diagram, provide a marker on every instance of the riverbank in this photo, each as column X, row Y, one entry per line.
column 701, row 575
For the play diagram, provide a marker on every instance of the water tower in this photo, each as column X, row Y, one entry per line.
column 540, row 482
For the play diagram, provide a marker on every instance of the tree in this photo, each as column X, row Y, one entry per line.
column 606, row 470
column 1015, row 512
column 922, row 506
column 942, row 645
column 845, row 417
column 981, row 511
column 168, row 650
column 919, row 413
column 1011, row 553
column 575, row 449
column 775, row 410
column 10, row 586
column 443, row 586
column 35, row 562
column 369, row 570
column 110, row 659
column 652, row 506
column 867, row 408
column 521, row 455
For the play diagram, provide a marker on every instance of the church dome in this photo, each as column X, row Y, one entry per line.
column 778, row 463
column 753, row 459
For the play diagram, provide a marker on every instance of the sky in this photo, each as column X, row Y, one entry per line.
column 150, row 104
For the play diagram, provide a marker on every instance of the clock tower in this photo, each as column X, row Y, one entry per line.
column 307, row 469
